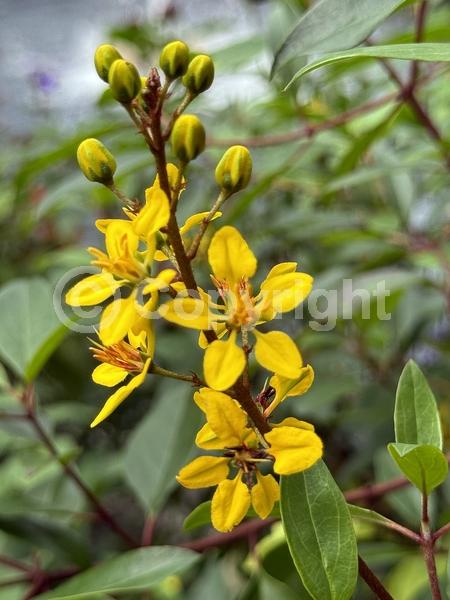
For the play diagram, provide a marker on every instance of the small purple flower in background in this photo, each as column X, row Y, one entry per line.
column 44, row 81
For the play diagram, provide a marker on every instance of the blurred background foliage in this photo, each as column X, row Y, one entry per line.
column 366, row 199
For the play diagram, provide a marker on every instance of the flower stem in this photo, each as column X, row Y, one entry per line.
column 428, row 550
column 206, row 221
column 173, row 374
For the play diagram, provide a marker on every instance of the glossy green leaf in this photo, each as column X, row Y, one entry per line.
column 334, row 25
column 425, row 466
column 161, row 445
column 320, row 534
column 416, row 417
column 132, row 571
column 29, row 327
column 429, row 52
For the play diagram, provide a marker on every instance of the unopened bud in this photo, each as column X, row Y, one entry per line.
column 96, row 161
column 174, row 59
column 104, row 57
column 200, row 74
column 188, row 138
column 124, row 81
column 234, row 169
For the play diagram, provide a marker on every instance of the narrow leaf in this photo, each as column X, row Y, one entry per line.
column 416, row 417
column 133, row 571
column 426, row 52
column 320, row 534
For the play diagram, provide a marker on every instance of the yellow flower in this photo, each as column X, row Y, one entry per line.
column 120, row 360
column 284, row 387
column 233, row 264
column 227, row 430
column 123, row 264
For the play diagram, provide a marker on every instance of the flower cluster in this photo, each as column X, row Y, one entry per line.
column 146, row 271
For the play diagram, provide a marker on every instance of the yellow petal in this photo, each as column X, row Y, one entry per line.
column 206, row 395
column 108, row 375
column 154, row 215
column 92, row 290
column 226, row 418
column 294, row 449
column 223, row 363
column 194, row 220
column 284, row 292
column 207, row 439
column 276, row 352
column 172, row 175
column 120, row 239
column 120, row 395
column 230, row 257
column 284, row 387
column 102, row 224
column 160, row 282
column 281, row 269
column 264, row 494
column 117, row 318
column 142, row 335
column 160, row 256
column 187, row 312
column 230, row 503
column 204, row 471
column 293, row 422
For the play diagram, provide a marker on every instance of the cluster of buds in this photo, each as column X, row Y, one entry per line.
column 149, row 256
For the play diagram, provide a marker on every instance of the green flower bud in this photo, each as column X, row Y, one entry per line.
column 104, row 57
column 96, row 162
column 234, row 169
column 174, row 59
column 124, row 81
column 188, row 138
column 200, row 74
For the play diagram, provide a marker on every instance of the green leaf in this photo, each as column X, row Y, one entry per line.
column 333, row 25
column 270, row 588
column 29, row 328
column 425, row 52
column 416, row 417
column 363, row 142
column 201, row 515
column 365, row 514
column 425, row 466
column 161, row 445
column 320, row 534
column 42, row 533
column 132, row 571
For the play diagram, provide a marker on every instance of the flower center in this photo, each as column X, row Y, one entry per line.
column 121, row 355
column 239, row 303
